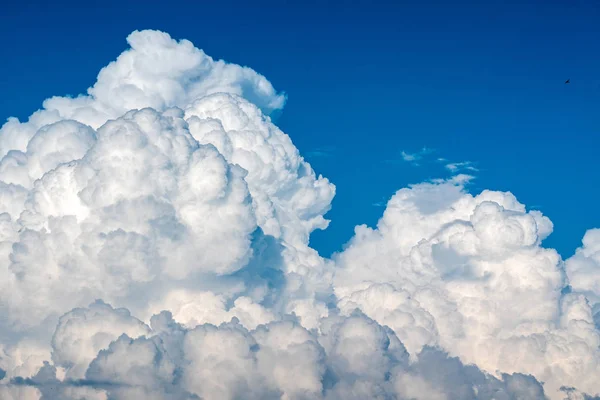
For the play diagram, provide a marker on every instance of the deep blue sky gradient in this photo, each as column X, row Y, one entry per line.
column 478, row 81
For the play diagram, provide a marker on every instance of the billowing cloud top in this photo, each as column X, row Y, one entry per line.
column 156, row 72
column 154, row 244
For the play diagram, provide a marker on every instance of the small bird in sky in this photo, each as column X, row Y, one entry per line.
column 568, row 81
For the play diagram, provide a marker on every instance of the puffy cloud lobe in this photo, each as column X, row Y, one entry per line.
column 83, row 332
column 145, row 204
column 168, row 191
column 52, row 145
column 192, row 308
column 289, row 199
column 583, row 268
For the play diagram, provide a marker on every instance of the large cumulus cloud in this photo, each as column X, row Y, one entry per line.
column 468, row 273
column 154, row 244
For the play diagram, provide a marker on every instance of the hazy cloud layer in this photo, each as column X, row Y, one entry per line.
column 154, row 244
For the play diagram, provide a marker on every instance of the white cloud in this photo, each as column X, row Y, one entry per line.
column 168, row 193
column 449, row 269
column 351, row 357
column 457, row 166
column 409, row 157
column 156, row 72
column 414, row 158
column 139, row 206
column 83, row 332
column 583, row 268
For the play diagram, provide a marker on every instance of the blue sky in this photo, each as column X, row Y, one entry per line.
column 472, row 81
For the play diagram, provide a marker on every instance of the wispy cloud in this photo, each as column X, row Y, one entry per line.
column 409, row 157
column 461, row 166
column 321, row 152
column 413, row 158
column 381, row 203
column 459, row 179
column 459, row 169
